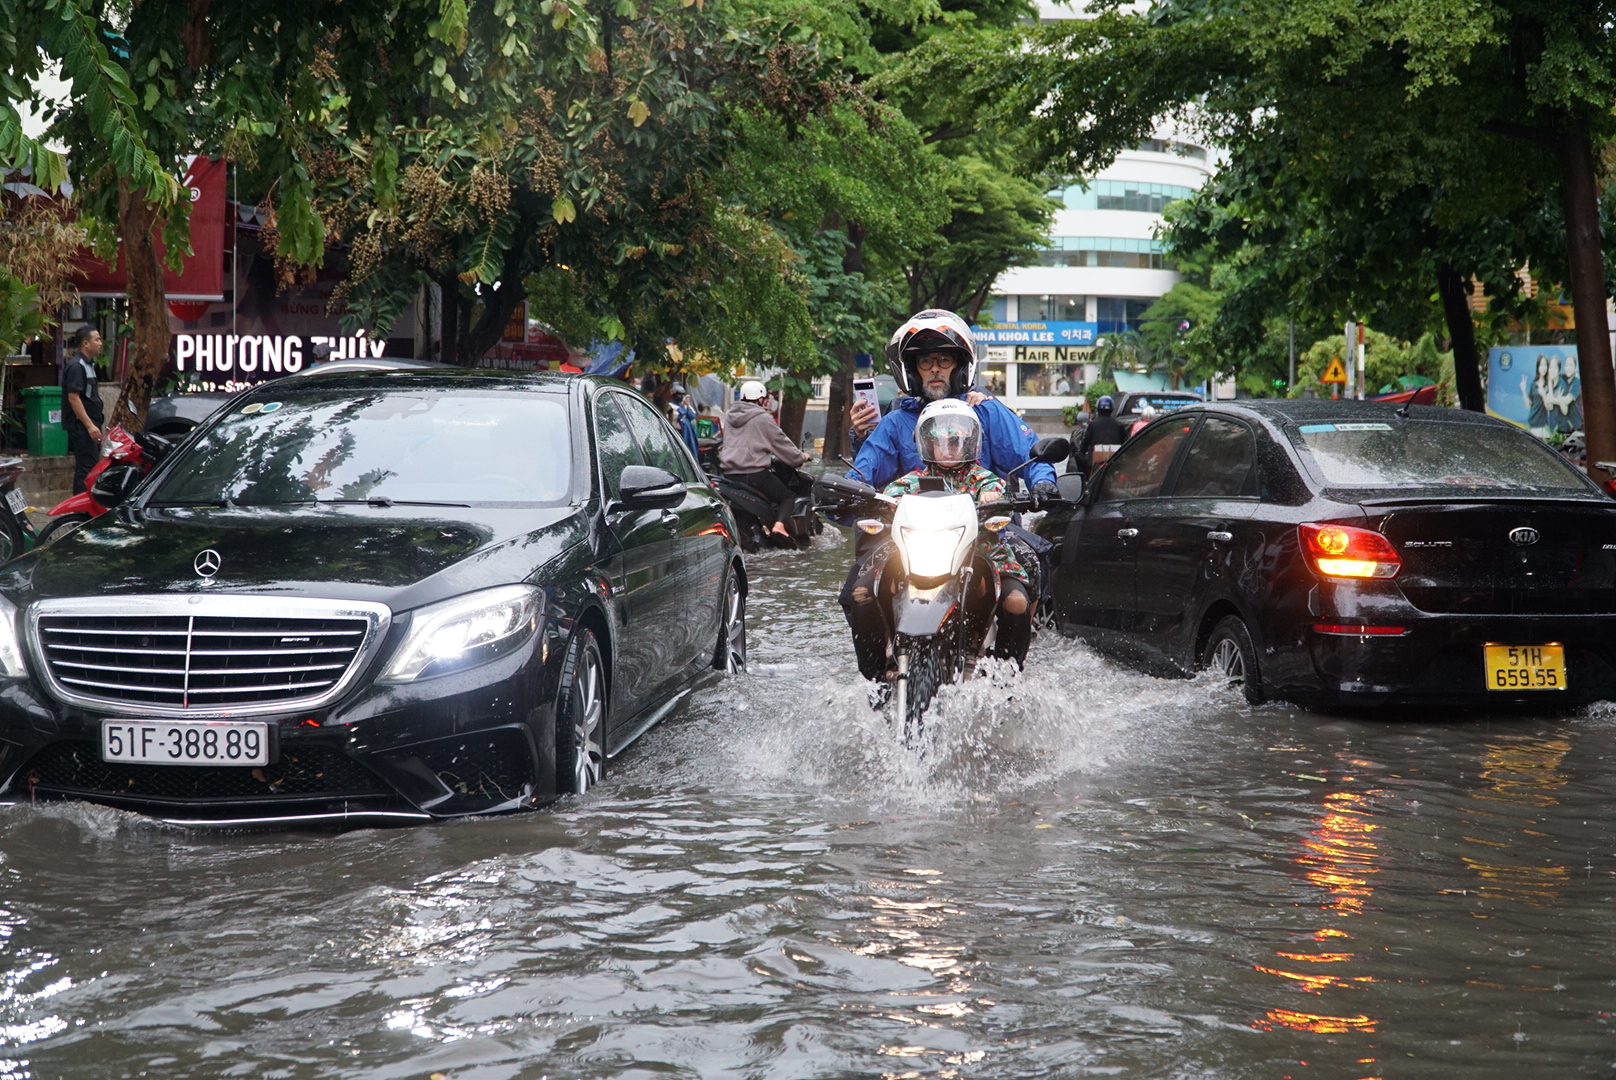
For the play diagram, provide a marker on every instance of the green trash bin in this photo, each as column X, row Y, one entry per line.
column 43, row 408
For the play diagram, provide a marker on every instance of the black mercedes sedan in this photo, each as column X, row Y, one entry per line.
column 1343, row 552
column 389, row 595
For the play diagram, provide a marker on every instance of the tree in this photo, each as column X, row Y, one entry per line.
column 1411, row 95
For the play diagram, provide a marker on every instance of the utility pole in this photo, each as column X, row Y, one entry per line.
column 1350, row 355
column 1291, row 381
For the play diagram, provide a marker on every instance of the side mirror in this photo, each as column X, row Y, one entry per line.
column 115, row 483
column 1071, row 486
column 646, row 487
column 1053, row 449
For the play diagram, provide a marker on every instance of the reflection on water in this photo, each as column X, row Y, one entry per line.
column 1340, row 857
column 1092, row 873
column 1521, row 775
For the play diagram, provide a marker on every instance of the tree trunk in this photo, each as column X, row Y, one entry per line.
column 1450, row 284
column 148, row 307
column 498, row 306
column 841, row 384
column 792, row 408
column 1580, row 194
column 449, row 319
column 837, row 409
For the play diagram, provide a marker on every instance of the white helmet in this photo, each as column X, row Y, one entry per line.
column 948, row 434
column 932, row 330
column 752, row 390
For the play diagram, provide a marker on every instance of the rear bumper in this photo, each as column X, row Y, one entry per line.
column 1439, row 659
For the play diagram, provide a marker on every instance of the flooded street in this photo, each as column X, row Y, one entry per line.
column 1090, row 872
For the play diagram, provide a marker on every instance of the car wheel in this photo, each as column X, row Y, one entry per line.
column 1230, row 653
column 731, row 654
column 60, row 526
column 581, row 718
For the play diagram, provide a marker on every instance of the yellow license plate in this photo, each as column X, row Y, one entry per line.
column 1525, row 667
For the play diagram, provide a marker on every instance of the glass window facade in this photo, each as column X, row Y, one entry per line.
column 1114, row 313
column 1052, row 308
column 1121, row 195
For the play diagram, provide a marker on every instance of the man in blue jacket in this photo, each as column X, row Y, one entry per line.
column 932, row 356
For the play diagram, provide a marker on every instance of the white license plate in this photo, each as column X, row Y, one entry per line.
column 15, row 500
column 185, row 742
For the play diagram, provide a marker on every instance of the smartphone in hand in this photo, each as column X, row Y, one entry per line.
column 864, row 390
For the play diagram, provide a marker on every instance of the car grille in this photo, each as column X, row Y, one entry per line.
column 302, row 771
column 1506, row 601
column 224, row 655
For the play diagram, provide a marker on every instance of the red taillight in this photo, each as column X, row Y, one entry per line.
column 1356, row 630
column 1610, row 486
column 1344, row 551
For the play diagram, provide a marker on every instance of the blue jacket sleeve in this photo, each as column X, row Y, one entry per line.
column 1010, row 441
column 878, row 459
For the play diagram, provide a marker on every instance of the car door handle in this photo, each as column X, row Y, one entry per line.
column 670, row 520
column 1218, row 536
column 1127, row 534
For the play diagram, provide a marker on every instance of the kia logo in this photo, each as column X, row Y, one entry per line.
column 1523, row 535
column 207, row 563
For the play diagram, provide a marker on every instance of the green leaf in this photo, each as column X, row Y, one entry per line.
column 563, row 211
column 639, row 112
column 152, row 94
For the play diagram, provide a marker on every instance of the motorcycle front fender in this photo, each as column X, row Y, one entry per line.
column 920, row 613
column 77, row 504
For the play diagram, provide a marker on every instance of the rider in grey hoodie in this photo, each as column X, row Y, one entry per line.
column 752, row 442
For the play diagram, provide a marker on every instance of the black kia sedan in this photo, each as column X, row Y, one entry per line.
column 388, row 595
column 1341, row 552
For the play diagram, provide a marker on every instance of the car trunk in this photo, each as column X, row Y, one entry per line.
column 1504, row 558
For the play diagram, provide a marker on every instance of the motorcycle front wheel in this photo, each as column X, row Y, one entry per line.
column 60, row 526
column 920, row 673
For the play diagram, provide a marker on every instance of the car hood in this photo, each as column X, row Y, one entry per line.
column 399, row 556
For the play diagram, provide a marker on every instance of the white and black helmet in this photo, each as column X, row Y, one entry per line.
column 932, row 330
column 948, row 434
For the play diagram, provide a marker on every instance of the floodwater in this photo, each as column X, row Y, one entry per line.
column 1091, row 872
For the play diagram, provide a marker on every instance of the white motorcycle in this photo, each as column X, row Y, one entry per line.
column 939, row 630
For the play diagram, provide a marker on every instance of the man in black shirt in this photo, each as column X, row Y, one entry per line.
column 81, row 404
column 1103, row 437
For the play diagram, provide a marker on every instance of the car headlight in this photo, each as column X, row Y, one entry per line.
column 12, row 665
column 469, row 630
column 930, row 554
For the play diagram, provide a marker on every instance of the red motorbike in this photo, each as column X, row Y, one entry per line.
column 139, row 449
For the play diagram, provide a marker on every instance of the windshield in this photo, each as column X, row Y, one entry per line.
column 1479, row 459
column 396, row 444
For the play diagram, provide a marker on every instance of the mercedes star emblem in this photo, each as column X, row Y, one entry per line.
column 1523, row 535
column 207, row 563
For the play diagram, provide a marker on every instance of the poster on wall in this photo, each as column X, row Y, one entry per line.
column 1537, row 387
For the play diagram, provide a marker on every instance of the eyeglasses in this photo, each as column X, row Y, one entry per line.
column 934, row 363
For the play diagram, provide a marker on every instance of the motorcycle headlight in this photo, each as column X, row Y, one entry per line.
column 12, row 665
column 930, row 554
column 469, row 630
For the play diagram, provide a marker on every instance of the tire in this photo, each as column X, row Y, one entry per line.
column 11, row 538
column 60, row 526
column 923, row 672
column 580, row 737
column 730, row 655
column 1229, row 652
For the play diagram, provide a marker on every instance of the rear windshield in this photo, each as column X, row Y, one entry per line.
column 1478, row 459
column 404, row 444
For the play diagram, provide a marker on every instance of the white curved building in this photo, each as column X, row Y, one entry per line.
column 1103, row 267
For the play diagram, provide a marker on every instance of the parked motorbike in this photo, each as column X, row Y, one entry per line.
column 924, row 589
column 126, row 457
column 754, row 513
column 16, row 531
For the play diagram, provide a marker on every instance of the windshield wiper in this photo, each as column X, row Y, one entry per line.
column 383, row 501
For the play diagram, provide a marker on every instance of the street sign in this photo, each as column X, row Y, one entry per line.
column 1336, row 372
